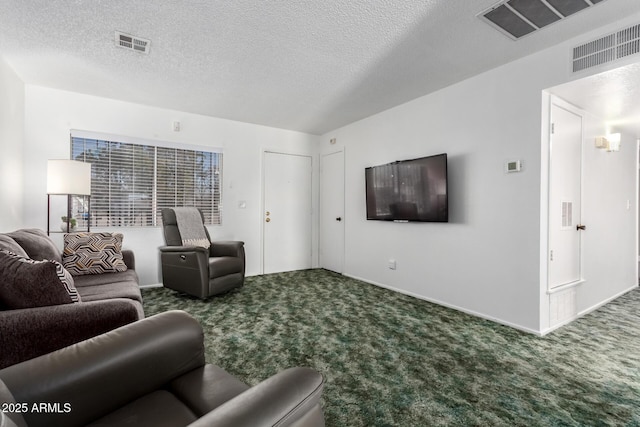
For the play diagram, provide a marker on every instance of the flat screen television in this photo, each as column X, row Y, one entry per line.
column 408, row 190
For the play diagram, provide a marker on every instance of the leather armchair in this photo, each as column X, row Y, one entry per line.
column 196, row 270
column 151, row 373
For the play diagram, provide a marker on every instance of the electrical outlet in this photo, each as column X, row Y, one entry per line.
column 392, row 264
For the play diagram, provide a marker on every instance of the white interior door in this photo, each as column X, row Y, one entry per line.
column 287, row 212
column 565, row 181
column 332, row 211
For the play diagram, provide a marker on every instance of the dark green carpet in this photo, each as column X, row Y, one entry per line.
column 392, row 360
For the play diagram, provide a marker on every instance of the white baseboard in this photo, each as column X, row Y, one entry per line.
column 608, row 300
column 160, row 285
column 587, row 311
column 454, row 307
column 151, row 285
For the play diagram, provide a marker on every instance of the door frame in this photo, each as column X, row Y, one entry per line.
column 313, row 229
column 545, row 292
column 320, row 233
column 560, row 103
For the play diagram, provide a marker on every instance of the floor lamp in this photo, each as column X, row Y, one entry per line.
column 70, row 178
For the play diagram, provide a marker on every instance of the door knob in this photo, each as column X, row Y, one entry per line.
column 581, row 227
column 268, row 220
column 339, row 219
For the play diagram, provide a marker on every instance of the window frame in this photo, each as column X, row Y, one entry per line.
column 206, row 173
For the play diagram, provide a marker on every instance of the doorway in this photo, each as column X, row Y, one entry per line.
column 565, row 196
column 287, row 212
column 598, row 263
column 332, row 211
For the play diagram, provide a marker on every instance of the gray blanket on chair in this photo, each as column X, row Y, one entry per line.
column 191, row 227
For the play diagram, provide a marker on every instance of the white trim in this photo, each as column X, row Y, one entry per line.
column 548, row 101
column 160, row 285
column 587, row 311
column 545, row 133
column 637, row 191
column 151, row 285
column 76, row 133
column 565, row 286
column 451, row 306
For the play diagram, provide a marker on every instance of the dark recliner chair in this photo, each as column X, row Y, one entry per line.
column 151, row 373
column 196, row 270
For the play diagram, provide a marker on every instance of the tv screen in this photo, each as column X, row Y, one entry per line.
column 408, row 190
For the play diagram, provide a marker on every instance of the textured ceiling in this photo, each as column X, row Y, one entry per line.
column 612, row 96
column 306, row 65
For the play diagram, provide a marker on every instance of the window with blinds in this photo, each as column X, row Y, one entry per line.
column 131, row 183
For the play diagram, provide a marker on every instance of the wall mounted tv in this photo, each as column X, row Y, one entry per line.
column 408, row 190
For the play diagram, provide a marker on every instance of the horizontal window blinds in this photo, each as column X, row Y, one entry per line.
column 189, row 178
column 131, row 183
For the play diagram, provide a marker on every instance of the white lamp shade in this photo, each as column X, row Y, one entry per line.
column 68, row 177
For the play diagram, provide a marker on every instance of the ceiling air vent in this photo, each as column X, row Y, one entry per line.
column 606, row 49
column 517, row 18
column 127, row 41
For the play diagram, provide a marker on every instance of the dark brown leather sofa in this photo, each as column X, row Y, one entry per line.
column 151, row 373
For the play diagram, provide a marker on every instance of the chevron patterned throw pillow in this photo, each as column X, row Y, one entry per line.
column 93, row 253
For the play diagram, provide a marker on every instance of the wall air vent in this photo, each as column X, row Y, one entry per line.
column 517, row 18
column 606, row 49
column 127, row 41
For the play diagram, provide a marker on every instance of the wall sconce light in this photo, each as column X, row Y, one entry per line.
column 611, row 142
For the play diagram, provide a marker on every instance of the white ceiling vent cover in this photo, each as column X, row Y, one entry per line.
column 606, row 49
column 127, row 41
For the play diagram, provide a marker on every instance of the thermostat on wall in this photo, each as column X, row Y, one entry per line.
column 513, row 166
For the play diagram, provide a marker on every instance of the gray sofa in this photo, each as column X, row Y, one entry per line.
column 108, row 301
column 152, row 373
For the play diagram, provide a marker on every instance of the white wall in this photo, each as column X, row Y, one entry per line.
column 477, row 262
column 610, row 212
column 11, row 144
column 50, row 114
column 487, row 259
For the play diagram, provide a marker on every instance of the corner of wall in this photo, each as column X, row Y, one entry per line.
column 12, row 122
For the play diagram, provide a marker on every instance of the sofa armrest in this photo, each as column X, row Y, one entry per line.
column 283, row 399
column 186, row 269
column 129, row 259
column 9, row 418
column 172, row 249
column 99, row 375
column 31, row 332
column 227, row 248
